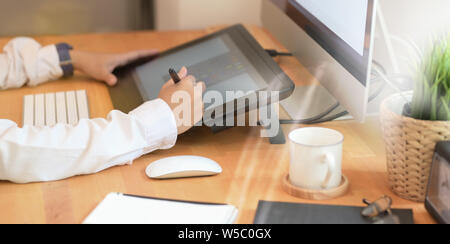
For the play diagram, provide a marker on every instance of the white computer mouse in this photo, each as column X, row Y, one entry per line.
column 182, row 167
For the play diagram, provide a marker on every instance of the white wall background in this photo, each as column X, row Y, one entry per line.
column 37, row 17
column 196, row 14
column 415, row 19
column 419, row 21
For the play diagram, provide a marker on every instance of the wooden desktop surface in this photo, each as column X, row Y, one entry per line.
column 252, row 168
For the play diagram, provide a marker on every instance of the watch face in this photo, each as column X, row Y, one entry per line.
column 439, row 188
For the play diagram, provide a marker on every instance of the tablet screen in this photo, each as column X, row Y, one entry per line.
column 218, row 62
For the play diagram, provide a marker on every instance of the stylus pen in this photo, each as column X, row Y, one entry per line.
column 174, row 76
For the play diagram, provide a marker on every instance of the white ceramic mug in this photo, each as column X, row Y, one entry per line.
column 316, row 158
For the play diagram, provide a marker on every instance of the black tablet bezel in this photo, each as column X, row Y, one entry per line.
column 126, row 96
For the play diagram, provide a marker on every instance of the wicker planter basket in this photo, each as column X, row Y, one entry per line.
column 410, row 146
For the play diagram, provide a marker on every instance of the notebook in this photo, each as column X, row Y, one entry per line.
column 53, row 108
column 119, row 208
column 293, row 213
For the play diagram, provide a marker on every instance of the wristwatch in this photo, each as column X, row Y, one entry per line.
column 65, row 61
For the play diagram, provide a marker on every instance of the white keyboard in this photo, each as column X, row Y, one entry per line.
column 54, row 108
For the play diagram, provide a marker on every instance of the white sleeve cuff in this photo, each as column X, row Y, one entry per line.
column 48, row 66
column 161, row 130
column 25, row 61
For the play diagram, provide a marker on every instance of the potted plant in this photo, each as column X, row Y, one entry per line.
column 413, row 122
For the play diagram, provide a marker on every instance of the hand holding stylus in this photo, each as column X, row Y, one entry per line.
column 171, row 93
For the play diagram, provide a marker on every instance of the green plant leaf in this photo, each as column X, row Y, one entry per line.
column 444, row 113
column 434, row 103
column 431, row 99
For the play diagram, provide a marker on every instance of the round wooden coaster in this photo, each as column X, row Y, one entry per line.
column 319, row 195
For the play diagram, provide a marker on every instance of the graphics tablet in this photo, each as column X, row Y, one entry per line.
column 229, row 60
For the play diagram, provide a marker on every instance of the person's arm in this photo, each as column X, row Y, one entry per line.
column 26, row 62
column 35, row 154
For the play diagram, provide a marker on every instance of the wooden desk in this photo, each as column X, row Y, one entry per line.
column 253, row 169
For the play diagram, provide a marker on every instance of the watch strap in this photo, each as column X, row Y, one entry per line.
column 65, row 61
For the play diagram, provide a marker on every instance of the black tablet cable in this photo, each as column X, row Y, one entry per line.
column 274, row 53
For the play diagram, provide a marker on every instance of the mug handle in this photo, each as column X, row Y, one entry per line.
column 331, row 163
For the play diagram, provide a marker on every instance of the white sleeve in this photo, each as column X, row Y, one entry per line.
column 26, row 62
column 35, row 154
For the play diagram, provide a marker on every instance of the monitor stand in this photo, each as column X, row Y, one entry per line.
column 311, row 100
column 308, row 102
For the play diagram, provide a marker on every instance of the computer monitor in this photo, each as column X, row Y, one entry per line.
column 334, row 41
